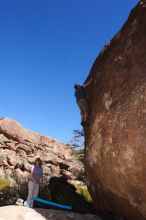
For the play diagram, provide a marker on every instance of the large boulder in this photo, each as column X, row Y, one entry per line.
column 115, row 154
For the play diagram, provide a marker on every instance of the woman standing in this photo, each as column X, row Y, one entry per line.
column 35, row 180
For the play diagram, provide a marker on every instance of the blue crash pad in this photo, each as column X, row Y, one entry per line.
column 53, row 203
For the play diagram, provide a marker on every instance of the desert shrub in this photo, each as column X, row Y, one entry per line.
column 4, row 183
column 10, row 191
column 7, row 192
column 83, row 191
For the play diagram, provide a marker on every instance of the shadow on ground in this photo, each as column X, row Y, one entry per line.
column 62, row 192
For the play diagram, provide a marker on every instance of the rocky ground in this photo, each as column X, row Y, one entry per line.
column 24, row 213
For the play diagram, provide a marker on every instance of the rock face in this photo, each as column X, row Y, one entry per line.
column 19, row 147
column 21, row 212
column 115, row 141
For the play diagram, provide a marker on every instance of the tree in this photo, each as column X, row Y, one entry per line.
column 78, row 139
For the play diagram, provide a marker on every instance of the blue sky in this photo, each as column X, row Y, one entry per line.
column 45, row 47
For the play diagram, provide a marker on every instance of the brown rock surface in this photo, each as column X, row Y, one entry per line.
column 116, row 138
column 19, row 147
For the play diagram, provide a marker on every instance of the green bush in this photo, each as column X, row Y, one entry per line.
column 10, row 191
column 4, row 183
column 7, row 192
column 83, row 191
